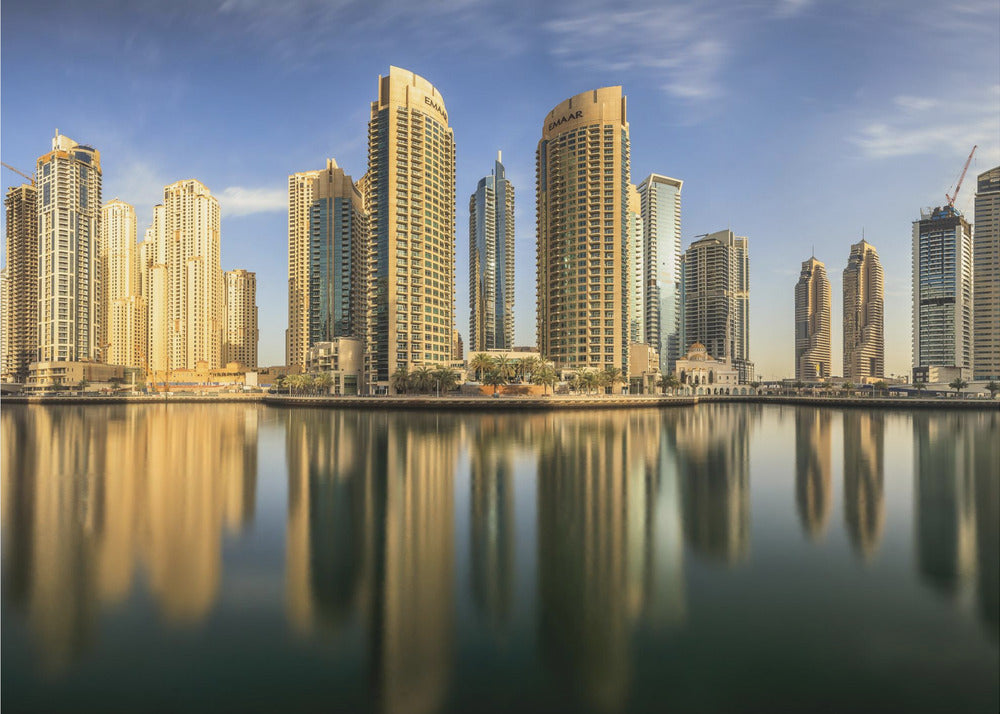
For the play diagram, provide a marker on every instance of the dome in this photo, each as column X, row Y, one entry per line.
column 697, row 352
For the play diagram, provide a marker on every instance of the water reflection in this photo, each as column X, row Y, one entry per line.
column 813, row 484
column 713, row 455
column 956, row 506
column 91, row 494
column 864, row 488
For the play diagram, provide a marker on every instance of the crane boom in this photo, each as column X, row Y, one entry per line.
column 951, row 198
column 19, row 172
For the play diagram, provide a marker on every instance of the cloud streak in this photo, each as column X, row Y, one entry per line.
column 243, row 201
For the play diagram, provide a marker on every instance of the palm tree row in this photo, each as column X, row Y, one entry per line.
column 590, row 380
column 424, row 380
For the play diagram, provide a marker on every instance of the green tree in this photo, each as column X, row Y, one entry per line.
column 528, row 366
column 400, row 380
column 847, row 386
column 323, row 381
column 545, row 376
column 589, row 380
column 445, row 378
column 422, row 379
column 479, row 363
column 958, row 384
column 993, row 387
column 880, row 387
column 308, row 383
column 573, row 381
column 280, row 382
column 919, row 385
column 670, row 382
column 505, row 366
column 612, row 376
column 494, row 378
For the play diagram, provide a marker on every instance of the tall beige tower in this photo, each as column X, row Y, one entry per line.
column 241, row 318
column 301, row 192
column 125, row 307
column 70, row 291
column 636, row 271
column 410, row 200
column 812, row 322
column 582, row 181
column 20, row 304
column 986, row 278
column 186, row 285
column 864, row 293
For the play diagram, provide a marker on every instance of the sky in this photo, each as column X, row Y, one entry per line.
column 801, row 124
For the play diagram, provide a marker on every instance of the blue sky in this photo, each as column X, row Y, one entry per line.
column 797, row 123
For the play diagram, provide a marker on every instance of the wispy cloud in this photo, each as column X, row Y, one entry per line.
column 138, row 184
column 931, row 125
column 791, row 8
column 242, row 201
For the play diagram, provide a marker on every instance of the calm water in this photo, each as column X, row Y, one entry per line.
column 242, row 558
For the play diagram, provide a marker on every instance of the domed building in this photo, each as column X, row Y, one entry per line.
column 701, row 373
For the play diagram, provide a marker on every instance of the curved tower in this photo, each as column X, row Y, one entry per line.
column 812, row 322
column 864, row 343
column 583, row 175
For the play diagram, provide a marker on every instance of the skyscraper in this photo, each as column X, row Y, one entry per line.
column 20, row 306
column 583, row 174
column 125, row 306
column 70, row 290
column 812, row 322
column 986, row 278
column 942, row 292
column 241, row 318
column 636, row 269
column 716, row 299
column 661, row 221
column 410, row 199
column 327, row 260
column 491, row 262
column 187, row 289
column 864, row 293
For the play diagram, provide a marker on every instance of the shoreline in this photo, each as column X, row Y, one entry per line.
column 466, row 403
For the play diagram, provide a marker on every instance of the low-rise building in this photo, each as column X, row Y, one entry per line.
column 643, row 368
column 700, row 373
column 341, row 358
column 67, row 376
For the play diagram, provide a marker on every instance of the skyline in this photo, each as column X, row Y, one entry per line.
column 871, row 139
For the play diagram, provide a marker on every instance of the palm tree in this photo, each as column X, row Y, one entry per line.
column 613, row 376
column 589, row 380
column 993, row 387
column 797, row 385
column 880, row 387
column 479, row 363
column 308, row 383
column 400, row 380
column 279, row 382
column 573, row 381
column 670, row 382
column 323, row 381
column 545, row 376
column 422, row 378
column 504, row 366
column 919, row 385
column 847, row 386
column 445, row 378
column 755, row 385
column 493, row 378
column 958, row 384
column 528, row 366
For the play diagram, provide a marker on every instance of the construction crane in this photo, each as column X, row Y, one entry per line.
column 952, row 197
column 17, row 171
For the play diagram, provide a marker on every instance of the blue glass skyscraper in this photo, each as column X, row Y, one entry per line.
column 491, row 262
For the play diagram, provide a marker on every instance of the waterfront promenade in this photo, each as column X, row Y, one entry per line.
column 503, row 403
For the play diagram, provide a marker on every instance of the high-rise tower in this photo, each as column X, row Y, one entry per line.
column 491, row 262
column 125, row 306
column 716, row 299
column 986, row 278
column 812, row 322
column 70, row 290
column 583, row 175
column 410, row 200
column 661, row 222
column 942, row 291
column 241, row 318
column 327, row 260
column 636, row 268
column 20, row 308
column 864, row 294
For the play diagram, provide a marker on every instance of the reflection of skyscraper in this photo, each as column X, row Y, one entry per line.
column 713, row 453
column 492, row 523
column 93, row 491
column 582, row 556
column 812, row 469
column 945, row 499
column 985, row 457
column 864, row 490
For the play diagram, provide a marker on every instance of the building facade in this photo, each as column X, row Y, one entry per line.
column 942, row 291
column 410, row 199
column 125, row 305
column 812, row 322
column 583, row 176
column 70, row 283
column 327, row 260
column 491, row 262
column 20, row 306
column 986, row 278
column 186, row 299
column 661, row 221
column 636, row 269
column 241, row 318
column 715, row 299
column 864, row 295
